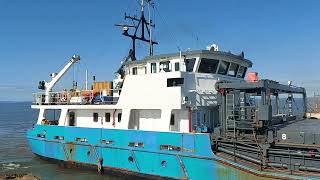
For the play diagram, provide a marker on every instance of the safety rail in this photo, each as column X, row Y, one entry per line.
column 84, row 97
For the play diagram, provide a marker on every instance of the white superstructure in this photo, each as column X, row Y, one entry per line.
column 174, row 92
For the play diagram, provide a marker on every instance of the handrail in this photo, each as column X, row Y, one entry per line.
column 84, row 97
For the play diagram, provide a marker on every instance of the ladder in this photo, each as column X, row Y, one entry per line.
column 230, row 115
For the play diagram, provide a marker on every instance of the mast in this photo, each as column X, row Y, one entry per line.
column 143, row 26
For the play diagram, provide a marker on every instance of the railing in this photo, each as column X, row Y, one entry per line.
column 78, row 97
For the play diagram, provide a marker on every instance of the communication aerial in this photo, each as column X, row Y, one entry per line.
column 139, row 25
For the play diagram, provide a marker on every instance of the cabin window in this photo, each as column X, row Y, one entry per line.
column 242, row 72
column 172, row 120
column 177, row 66
column 171, row 82
column 119, row 117
column 51, row 117
column 223, row 68
column 233, row 70
column 95, row 117
column 107, row 116
column 190, row 64
column 71, row 118
column 208, row 66
column 165, row 66
column 153, row 68
column 134, row 71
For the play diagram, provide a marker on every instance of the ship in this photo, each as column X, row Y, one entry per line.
column 186, row 115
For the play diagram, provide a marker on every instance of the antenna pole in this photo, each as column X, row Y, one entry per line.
column 142, row 4
column 86, row 83
column 150, row 34
column 142, row 26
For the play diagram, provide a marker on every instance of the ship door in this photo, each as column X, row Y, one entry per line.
column 134, row 119
column 71, row 118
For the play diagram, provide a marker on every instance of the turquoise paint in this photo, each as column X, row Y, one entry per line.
column 195, row 159
column 147, row 159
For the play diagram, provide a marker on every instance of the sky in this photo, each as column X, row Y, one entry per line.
column 37, row 37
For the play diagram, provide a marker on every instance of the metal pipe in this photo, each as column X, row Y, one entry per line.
column 304, row 95
column 294, row 154
column 304, row 168
column 240, row 155
column 277, row 104
column 241, row 147
column 189, row 118
column 86, row 79
column 278, row 165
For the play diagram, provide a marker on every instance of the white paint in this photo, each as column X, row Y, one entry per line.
column 283, row 136
column 57, row 77
column 146, row 103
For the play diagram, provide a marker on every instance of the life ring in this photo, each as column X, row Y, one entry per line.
column 217, row 87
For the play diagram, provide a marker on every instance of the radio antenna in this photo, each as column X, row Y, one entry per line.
column 142, row 26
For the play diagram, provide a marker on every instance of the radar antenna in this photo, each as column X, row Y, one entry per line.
column 142, row 25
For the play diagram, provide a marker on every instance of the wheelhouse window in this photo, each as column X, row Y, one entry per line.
column 95, row 117
column 190, row 64
column 233, row 69
column 165, row 66
column 223, row 68
column 177, row 66
column 208, row 66
column 242, row 72
column 134, row 71
column 107, row 116
column 153, row 68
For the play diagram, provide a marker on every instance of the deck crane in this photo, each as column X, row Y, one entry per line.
column 47, row 86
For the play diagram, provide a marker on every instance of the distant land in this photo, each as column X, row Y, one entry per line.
column 15, row 101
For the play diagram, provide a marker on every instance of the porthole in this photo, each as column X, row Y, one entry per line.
column 164, row 164
column 130, row 159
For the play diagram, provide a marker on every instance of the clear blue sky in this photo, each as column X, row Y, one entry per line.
column 37, row 37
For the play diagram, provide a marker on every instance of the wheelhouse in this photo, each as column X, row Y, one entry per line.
column 204, row 61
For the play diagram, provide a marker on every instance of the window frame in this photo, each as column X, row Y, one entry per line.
column 72, row 121
column 235, row 71
column 172, row 120
column 168, row 69
column 226, row 69
column 95, row 117
column 194, row 63
column 155, row 68
column 175, row 82
column 243, row 74
column 107, row 119
column 209, row 59
column 135, row 71
column 119, row 117
column 177, row 66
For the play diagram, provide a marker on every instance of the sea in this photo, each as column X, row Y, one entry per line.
column 16, row 156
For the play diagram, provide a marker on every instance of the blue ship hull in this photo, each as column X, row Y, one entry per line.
column 162, row 154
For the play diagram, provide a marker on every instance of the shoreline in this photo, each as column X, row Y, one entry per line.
column 19, row 176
